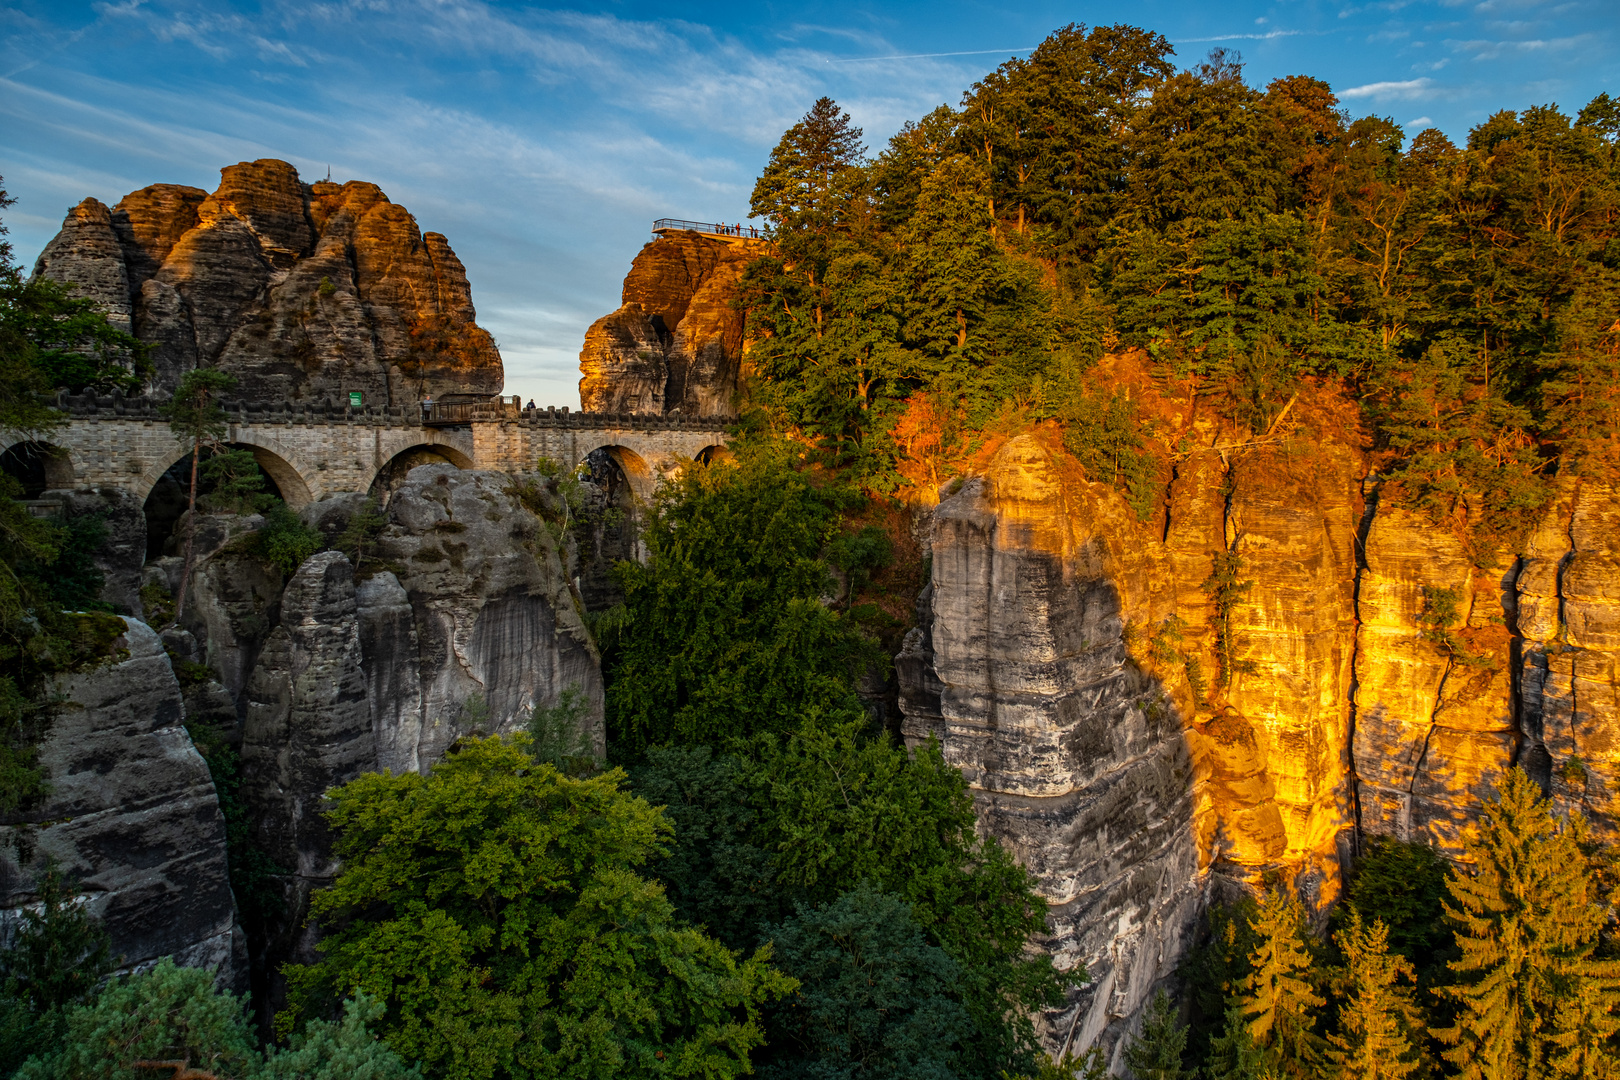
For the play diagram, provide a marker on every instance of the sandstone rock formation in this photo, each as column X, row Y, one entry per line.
column 472, row 624
column 1568, row 599
column 1068, row 658
column 675, row 345
column 1079, row 756
column 131, row 817
column 303, row 291
column 307, row 729
column 1435, row 715
column 86, row 255
column 492, row 615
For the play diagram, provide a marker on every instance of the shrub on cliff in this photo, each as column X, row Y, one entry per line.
column 495, row 908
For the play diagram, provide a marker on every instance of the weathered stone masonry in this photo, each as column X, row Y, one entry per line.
column 313, row 451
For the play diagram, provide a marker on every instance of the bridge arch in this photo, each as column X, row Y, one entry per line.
column 38, row 466
column 643, row 482
column 392, row 472
column 712, row 453
column 642, row 460
column 288, row 479
column 281, row 463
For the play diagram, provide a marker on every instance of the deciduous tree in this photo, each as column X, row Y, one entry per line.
column 495, row 907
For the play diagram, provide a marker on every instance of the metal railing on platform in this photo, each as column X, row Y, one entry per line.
column 456, row 413
column 738, row 231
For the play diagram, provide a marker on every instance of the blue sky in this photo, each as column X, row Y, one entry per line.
column 544, row 140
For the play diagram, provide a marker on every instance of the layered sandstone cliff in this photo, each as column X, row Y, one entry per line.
column 467, row 623
column 1069, row 662
column 1069, row 659
column 675, row 344
column 471, row 624
column 303, row 291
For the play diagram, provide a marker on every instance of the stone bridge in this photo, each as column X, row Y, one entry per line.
column 315, row 450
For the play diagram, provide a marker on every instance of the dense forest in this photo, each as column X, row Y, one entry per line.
column 1091, row 198
column 760, row 878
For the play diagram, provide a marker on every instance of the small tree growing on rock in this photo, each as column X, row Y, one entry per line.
column 197, row 420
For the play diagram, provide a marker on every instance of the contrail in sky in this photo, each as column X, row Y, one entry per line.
column 1267, row 36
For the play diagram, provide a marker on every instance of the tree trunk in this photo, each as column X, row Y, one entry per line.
column 191, row 533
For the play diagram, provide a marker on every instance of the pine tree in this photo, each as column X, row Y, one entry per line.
column 1532, row 1001
column 804, row 184
column 56, row 957
column 197, row 420
column 1233, row 1054
column 1372, row 1043
column 1279, row 1004
column 1155, row 1054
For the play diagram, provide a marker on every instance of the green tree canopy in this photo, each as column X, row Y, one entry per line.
column 875, row 999
column 806, row 818
column 494, row 907
column 173, row 1013
column 723, row 630
column 1156, row 1053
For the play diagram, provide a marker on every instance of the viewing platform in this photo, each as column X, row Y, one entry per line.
column 731, row 234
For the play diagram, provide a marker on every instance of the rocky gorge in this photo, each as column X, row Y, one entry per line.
column 1238, row 688
column 461, row 619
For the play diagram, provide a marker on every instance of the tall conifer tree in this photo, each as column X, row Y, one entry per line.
column 1372, row 1043
column 1155, row 1054
column 1233, row 1054
column 1280, row 1004
column 1532, row 999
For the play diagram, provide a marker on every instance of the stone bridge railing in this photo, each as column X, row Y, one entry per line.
column 312, row 450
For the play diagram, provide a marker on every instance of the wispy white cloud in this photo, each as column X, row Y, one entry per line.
column 927, row 56
column 1406, row 90
column 1478, row 49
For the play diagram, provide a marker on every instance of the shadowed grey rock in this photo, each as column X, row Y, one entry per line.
column 131, row 816
column 121, row 555
column 494, row 614
column 1078, row 758
column 87, row 257
column 307, row 729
